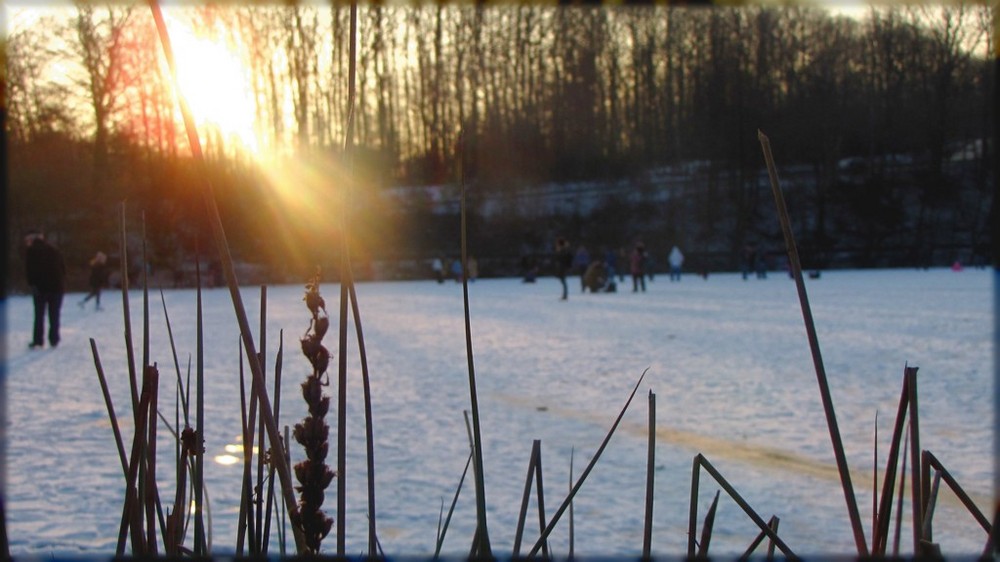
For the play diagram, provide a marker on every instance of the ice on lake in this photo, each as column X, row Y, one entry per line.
column 727, row 359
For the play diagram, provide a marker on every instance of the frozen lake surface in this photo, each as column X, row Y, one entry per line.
column 727, row 359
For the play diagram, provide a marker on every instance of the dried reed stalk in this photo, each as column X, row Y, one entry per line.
column 173, row 352
column 899, row 502
column 270, row 470
column 534, row 475
column 647, row 535
column 700, row 462
column 824, row 387
column 201, row 539
column 369, row 421
column 247, row 416
column 707, row 526
column 875, row 489
column 884, row 511
column 773, row 524
column 111, row 408
column 127, row 316
column 483, row 545
column 572, row 536
column 917, row 491
column 586, row 472
column 443, row 529
column 149, row 457
column 932, row 461
column 258, row 544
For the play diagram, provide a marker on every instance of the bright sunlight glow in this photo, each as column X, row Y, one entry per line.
column 216, row 84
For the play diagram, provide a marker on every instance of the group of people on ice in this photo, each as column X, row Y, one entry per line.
column 454, row 269
column 597, row 274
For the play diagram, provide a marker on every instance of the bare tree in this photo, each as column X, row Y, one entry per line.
column 100, row 47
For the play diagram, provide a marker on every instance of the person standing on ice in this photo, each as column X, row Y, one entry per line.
column 98, row 278
column 581, row 262
column 46, row 275
column 676, row 259
column 563, row 262
column 638, row 263
column 438, row 267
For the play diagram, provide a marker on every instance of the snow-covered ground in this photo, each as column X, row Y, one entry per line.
column 727, row 359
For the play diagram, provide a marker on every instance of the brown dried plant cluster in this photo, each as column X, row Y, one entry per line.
column 312, row 432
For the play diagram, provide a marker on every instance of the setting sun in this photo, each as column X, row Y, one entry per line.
column 216, row 84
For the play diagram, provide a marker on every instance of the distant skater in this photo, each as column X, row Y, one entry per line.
column 581, row 262
column 473, row 267
column 563, row 263
column 676, row 259
column 638, row 263
column 98, row 279
column 46, row 275
column 438, row 267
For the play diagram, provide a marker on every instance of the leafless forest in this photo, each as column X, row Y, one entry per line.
column 881, row 123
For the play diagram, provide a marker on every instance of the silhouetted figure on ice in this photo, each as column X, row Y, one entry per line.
column 46, row 275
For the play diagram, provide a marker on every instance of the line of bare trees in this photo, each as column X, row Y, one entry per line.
column 530, row 93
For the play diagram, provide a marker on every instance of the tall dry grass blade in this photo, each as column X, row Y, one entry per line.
column 277, row 416
column 282, row 529
column 931, row 501
column 702, row 462
column 875, row 493
column 369, row 420
column 346, row 281
column 693, row 505
column 451, row 510
column 259, row 488
column 244, row 503
column 572, row 520
column 991, row 539
column 222, row 246
column 437, row 536
column 773, row 524
column 177, row 441
column 133, row 377
column 899, row 501
column 200, row 538
column 824, row 387
column 917, row 492
column 187, row 387
column 131, row 524
column 541, row 501
column 119, row 443
column 526, row 496
column 647, row 535
column 145, row 297
column 342, row 406
column 586, row 471
column 949, row 479
column 484, row 543
column 173, row 353
column 153, row 507
column 175, row 528
column 706, row 528
column 881, row 536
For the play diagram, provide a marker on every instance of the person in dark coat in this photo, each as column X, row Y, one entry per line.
column 564, row 263
column 638, row 266
column 46, row 275
column 98, row 278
